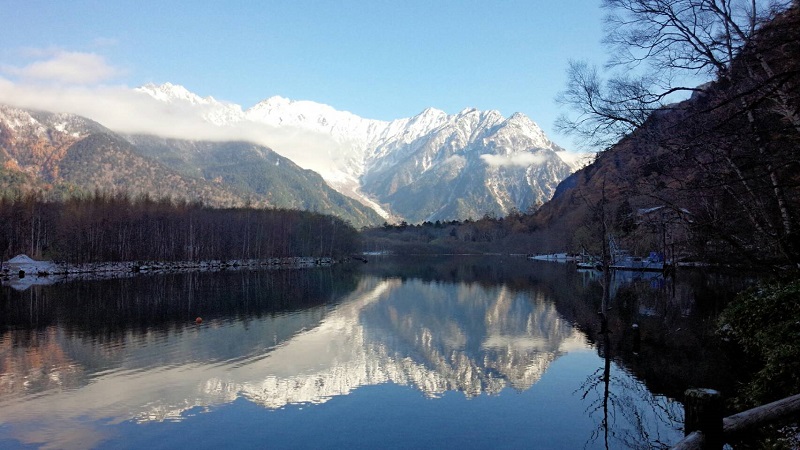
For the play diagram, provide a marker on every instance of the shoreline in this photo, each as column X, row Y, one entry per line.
column 48, row 272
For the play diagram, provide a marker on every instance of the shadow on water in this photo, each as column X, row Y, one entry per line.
column 675, row 349
column 90, row 324
column 661, row 330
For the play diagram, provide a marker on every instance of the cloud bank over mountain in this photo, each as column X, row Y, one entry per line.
column 129, row 111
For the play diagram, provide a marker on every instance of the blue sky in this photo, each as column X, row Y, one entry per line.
column 377, row 59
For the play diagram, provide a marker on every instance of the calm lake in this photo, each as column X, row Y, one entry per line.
column 432, row 352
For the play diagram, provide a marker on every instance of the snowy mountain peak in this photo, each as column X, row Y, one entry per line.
column 474, row 115
column 524, row 122
column 305, row 114
column 431, row 112
column 169, row 92
column 208, row 108
column 520, row 118
column 274, row 101
column 285, row 106
column 423, row 122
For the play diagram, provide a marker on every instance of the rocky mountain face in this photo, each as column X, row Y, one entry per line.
column 65, row 154
column 471, row 164
column 428, row 167
column 257, row 173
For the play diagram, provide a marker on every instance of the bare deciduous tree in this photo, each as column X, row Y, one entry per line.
column 654, row 45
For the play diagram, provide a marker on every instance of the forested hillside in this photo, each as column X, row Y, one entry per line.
column 256, row 173
column 712, row 178
column 489, row 234
column 60, row 156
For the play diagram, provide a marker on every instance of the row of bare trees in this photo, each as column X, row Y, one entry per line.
column 118, row 228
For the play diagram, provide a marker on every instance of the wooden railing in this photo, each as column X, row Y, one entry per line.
column 706, row 428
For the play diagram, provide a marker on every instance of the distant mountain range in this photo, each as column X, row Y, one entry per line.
column 429, row 167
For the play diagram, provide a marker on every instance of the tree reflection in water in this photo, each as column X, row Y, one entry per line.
column 648, row 418
column 645, row 416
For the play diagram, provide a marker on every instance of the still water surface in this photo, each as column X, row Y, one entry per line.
column 452, row 352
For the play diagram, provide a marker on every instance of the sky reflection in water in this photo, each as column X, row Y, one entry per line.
column 381, row 362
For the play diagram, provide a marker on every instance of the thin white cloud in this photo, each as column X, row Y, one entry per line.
column 128, row 111
column 517, row 160
column 66, row 67
column 62, row 81
column 577, row 160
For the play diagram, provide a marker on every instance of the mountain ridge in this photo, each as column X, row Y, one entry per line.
column 361, row 154
column 432, row 166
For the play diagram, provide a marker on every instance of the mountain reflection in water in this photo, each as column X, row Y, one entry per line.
column 79, row 356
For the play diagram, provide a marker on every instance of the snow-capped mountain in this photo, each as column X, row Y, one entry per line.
column 428, row 167
column 212, row 110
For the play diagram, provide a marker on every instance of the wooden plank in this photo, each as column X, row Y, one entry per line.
column 762, row 414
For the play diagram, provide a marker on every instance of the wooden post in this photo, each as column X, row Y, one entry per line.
column 703, row 412
column 697, row 406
